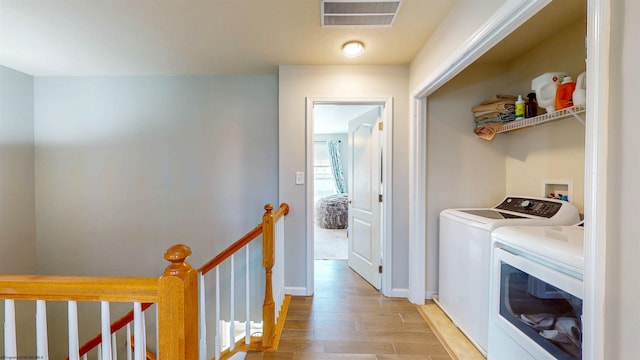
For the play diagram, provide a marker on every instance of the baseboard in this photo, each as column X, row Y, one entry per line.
column 401, row 293
column 302, row 291
column 454, row 341
column 296, row 291
column 281, row 320
column 430, row 294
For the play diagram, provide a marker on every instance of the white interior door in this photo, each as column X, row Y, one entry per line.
column 364, row 191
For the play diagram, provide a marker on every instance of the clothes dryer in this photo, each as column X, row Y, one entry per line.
column 465, row 255
column 536, row 293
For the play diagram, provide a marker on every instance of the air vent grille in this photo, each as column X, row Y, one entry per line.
column 370, row 13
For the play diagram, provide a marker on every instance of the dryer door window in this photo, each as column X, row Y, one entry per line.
column 542, row 312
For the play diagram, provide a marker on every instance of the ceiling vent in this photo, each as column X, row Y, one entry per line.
column 359, row 13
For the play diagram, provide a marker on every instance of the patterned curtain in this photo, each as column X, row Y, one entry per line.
column 336, row 165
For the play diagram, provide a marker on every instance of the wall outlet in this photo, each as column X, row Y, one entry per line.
column 300, row 178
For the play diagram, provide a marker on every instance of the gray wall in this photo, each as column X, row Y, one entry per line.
column 126, row 167
column 296, row 83
column 17, row 202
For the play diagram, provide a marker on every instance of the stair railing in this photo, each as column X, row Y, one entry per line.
column 272, row 231
column 274, row 306
column 174, row 293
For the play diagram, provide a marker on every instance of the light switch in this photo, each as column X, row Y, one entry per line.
column 299, row 178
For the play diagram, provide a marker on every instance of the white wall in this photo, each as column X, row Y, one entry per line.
column 553, row 151
column 296, row 83
column 621, row 312
column 126, row 167
column 17, row 199
column 462, row 169
column 464, row 19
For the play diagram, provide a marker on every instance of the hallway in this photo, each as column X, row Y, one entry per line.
column 348, row 319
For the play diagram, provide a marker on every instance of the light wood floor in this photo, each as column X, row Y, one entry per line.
column 349, row 319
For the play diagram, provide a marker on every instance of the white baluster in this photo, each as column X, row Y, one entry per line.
column 138, row 351
column 42, row 340
column 217, row 337
column 105, row 317
column 85, row 357
column 10, row 349
column 247, row 324
column 128, row 342
column 144, row 333
column 157, row 330
column 99, row 352
column 74, row 348
column 114, row 347
column 280, row 262
column 232, row 323
column 203, row 318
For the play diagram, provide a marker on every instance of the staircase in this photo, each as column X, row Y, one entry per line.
column 182, row 299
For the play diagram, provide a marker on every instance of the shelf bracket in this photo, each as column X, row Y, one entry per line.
column 577, row 116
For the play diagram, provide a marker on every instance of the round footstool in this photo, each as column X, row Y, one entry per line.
column 332, row 212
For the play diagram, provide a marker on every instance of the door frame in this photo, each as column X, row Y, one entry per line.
column 386, row 235
column 510, row 16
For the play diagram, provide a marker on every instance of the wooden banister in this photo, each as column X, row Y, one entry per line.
column 243, row 241
column 226, row 253
column 178, row 307
column 268, row 260
column 175, row 292
column 78, row 288
column 282, row 211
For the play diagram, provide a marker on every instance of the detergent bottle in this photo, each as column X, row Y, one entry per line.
column 564, row 94
column 580, row 93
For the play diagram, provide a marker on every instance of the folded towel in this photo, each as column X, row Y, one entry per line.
column 499, row 97
column 490, row 114
column 487, row 131
column 496, row 106
column 487, row 112
column 498, row 119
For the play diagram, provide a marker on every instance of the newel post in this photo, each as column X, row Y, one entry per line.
column 178, row 307
column 268, row 260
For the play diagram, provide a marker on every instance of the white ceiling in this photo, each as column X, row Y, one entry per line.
column 196, row 37
column 202, row 37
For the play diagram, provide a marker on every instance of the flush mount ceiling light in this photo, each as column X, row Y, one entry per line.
column 352, row 48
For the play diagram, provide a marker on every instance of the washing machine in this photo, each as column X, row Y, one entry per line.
column 465, row 255
column 536, row 293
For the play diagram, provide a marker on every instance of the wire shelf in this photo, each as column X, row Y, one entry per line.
column 575, row 111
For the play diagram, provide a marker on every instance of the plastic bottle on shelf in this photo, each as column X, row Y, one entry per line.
column 531, row 107
column 519, row 108
column 564, row 94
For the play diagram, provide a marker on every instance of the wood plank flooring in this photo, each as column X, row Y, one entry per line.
column 348, row 319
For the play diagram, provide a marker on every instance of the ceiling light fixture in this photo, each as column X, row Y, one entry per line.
column 352, row 48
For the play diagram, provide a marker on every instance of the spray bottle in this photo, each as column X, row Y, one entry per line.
column 519, row 108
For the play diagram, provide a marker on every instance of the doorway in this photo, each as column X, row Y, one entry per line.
column 338, row 196
column 330, row 195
